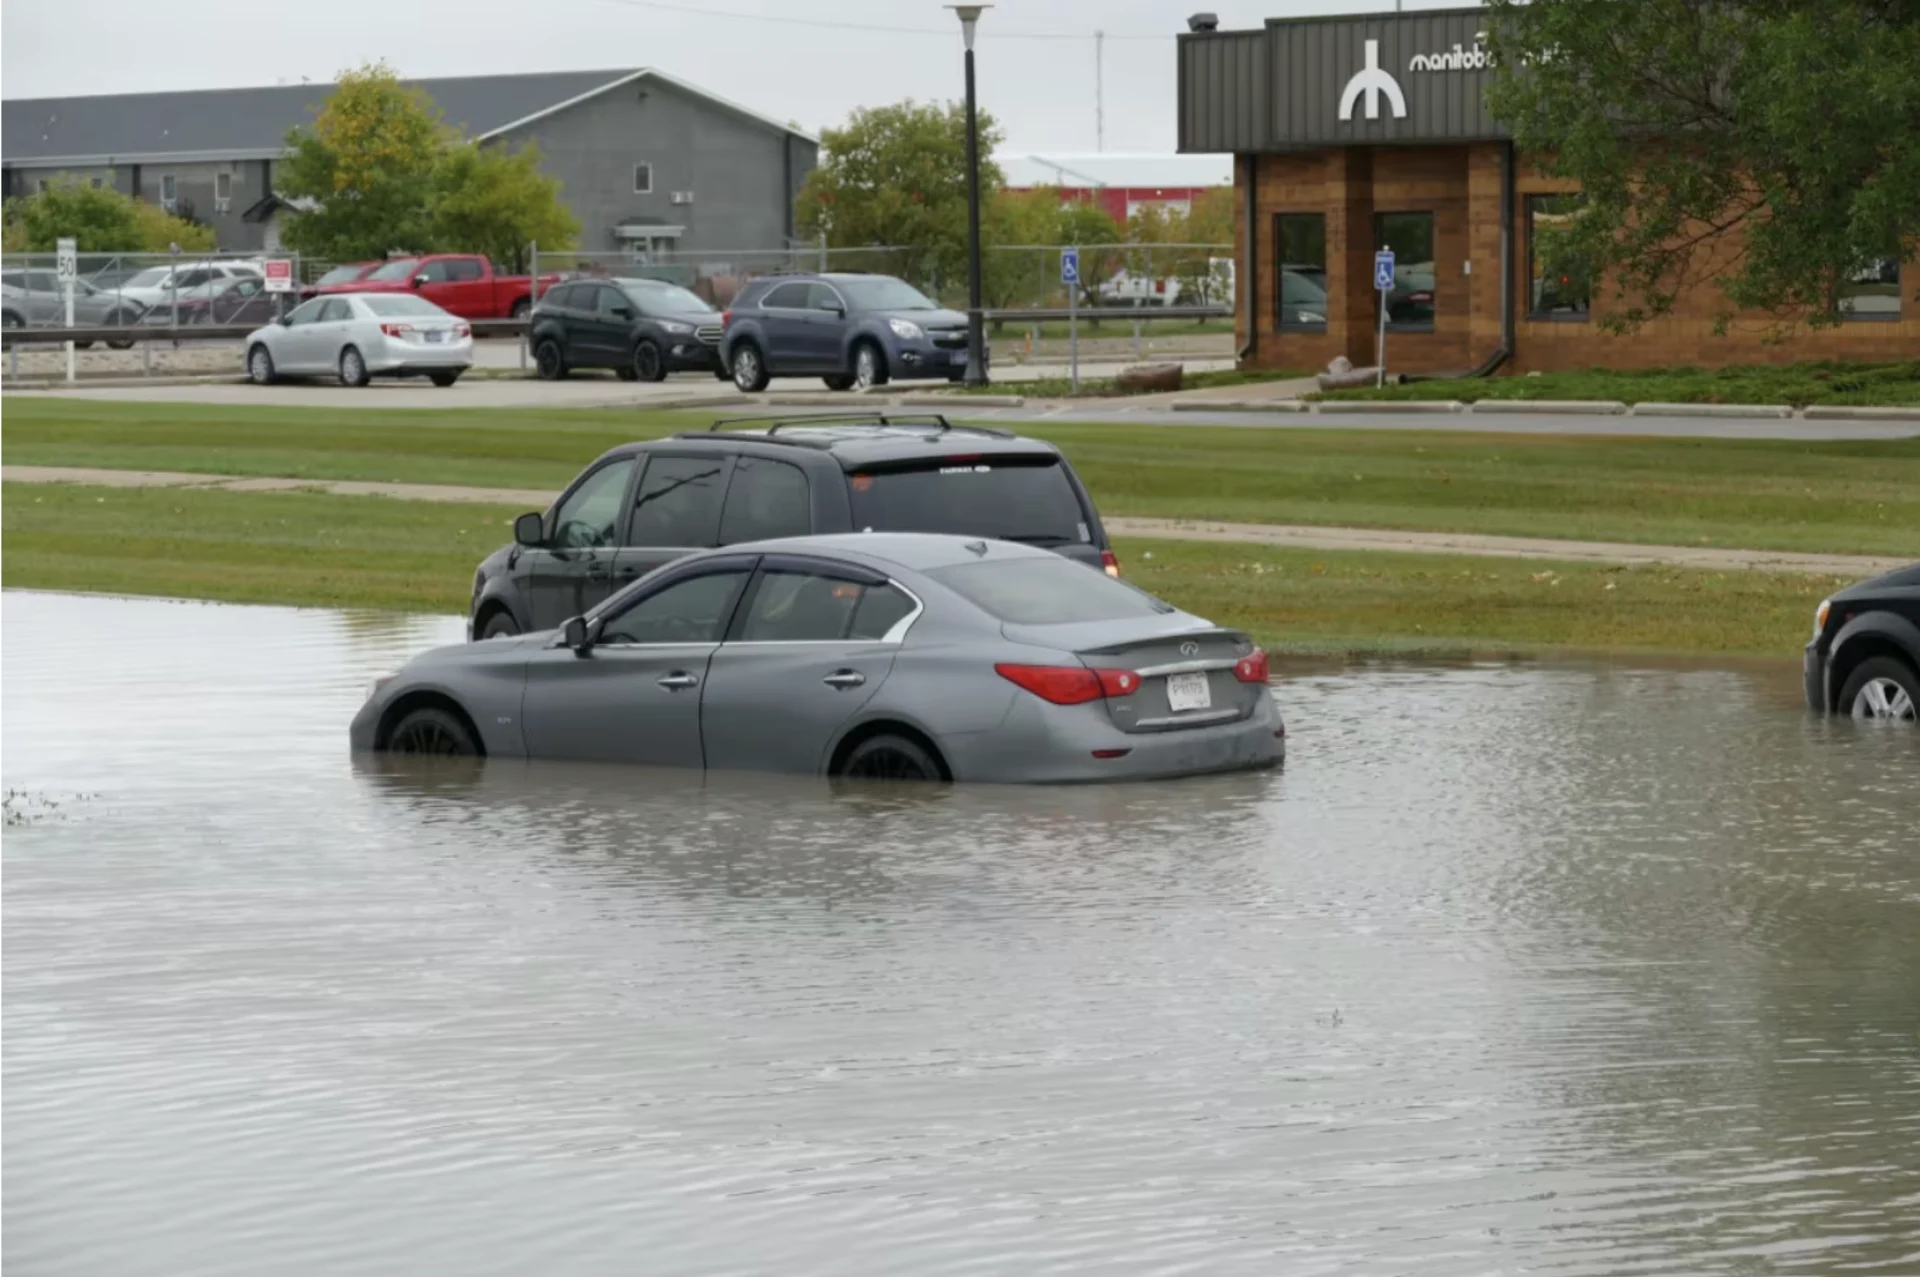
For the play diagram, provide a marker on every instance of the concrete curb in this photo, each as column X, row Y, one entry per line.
column 1775, row 411
column 1849, row 412
column 1579, row 407
column 961, row 401
column 1389, row 405
column 1241, row 405
column 125, row 383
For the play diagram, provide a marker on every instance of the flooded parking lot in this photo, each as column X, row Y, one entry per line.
column 1516, row 968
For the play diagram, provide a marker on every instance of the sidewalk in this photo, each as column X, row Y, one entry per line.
column 1288, row 536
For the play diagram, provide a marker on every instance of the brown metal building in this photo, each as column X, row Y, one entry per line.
column 1354, row 133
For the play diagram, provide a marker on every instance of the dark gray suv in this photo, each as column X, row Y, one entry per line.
column 643, row 505
column 851, row 331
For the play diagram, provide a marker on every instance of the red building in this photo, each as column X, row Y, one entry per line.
column 1120, row 183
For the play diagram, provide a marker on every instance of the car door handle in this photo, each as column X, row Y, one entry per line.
column 627, row 574
column 844, row 679
column 677, row 681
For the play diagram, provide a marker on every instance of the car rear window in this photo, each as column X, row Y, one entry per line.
column 1026, row 499
column 1046, row 591
column 399, row 304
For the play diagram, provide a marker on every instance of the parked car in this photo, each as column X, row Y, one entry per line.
column 888, row 656
column 848, row 330
column 1303, row 297
column 1864, row 657
column 642, row 505
column 461, row 284
column 360, row 338
column 158, row 284
column 643, row 329
column 346, row 273
column 243, row 300
column 36, row 299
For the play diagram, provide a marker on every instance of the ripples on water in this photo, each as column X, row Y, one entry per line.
column 1514, row 969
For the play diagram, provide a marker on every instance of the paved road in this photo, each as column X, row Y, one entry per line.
column 1291, row 536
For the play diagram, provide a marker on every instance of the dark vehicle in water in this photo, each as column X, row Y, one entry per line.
column 1864, row 657
column 642, row 505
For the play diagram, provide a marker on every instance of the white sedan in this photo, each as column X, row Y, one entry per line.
column 358, row 337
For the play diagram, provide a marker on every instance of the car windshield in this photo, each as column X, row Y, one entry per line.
column 882, row 293
column 401, row 268
column 1046, row 591
column 399, row 304
column 341, row 275
column 665, row 299
column 151, row 277
column 1026, row 499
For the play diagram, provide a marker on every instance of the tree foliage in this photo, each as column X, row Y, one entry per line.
column 1771, row 146
column 99, row 219
column 488, row 199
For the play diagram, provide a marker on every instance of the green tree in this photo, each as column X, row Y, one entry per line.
column 99, row 219
column 367, row 163
column 897, row 175
column 488, row 199
column 1770, row 147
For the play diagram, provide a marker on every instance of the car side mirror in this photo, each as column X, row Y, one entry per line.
column 530, row 530
column 576, row 634
column 419, row 281
column 834, row 308
column 286, row 321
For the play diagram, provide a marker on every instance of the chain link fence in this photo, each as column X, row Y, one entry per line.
column 716, row 276
column 138, row 290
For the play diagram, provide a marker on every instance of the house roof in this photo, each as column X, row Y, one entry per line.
column 238, row 124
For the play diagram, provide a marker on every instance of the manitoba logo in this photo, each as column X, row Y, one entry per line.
column 1458, row 58
column 1373, row 80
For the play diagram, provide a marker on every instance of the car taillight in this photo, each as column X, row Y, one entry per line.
column 1110, row 562
column 463, row 330
column 1070, row 684
column 396, row 330
column 726, row 317
column 1251, row 668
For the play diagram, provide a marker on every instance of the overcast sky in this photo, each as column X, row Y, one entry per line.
column 811, row 61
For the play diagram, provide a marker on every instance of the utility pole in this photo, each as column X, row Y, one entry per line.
column 1099, row 91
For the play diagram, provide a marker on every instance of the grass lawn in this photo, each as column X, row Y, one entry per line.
column 1796, row 384
column 300, row 548
column 1850, row 498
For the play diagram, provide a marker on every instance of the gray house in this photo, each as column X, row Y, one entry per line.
column 645, row 161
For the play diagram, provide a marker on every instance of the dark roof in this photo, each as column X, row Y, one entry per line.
column 223, row 124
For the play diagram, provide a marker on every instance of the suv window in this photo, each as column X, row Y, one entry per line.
column 678, row 503
column 1009, row 498
column 191, row 279
column 607, row 300
column 1046, row 591
column 793, row 296
column 824, row 297
column 589, row 517
column 765, row 499
column 560, row 295
column 694, row 610
column 800, row 607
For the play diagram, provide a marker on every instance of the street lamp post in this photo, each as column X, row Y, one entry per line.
column 969, row 15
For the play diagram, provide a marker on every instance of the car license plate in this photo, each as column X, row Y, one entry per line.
column 436, row 334
column 1187, row 692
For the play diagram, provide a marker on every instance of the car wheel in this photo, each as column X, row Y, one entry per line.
column 500, row 625
column 1883, row 688
column 444, row 379
column 83, row 345
column 521, row 308
column 260, row 365
column 890, row 757
column 10, row 320
column 838, row 381
column 749, row 368
column 119, row 345
column 869, row 366
column 353, row 368
column 547, row 358
column 431, row 732
column 647, row 363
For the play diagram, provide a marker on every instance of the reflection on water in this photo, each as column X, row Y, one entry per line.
column 1581, row 970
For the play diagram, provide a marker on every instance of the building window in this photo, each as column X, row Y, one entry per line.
column 95, row 183
column 169, row 192
column 643, row 179
column 1410, row 236
column 222, row 191
column 1562, row 290
column 1872, row 292
column 1301, row 240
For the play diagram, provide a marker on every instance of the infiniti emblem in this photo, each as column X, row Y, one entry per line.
column 1189, row 649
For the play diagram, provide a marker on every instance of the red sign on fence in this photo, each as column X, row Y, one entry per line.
column 279, row 272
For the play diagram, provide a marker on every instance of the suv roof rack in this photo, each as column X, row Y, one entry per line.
column 934, row 421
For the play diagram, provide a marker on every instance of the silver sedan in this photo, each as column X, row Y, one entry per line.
column 357, row 338
column 891, row 656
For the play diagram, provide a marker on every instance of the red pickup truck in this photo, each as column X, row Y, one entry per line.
column 464, row 284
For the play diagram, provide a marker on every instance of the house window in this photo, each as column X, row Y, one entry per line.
column 1302, row 263
column 1554, row 291
column 222, row 191
column 1410, row 235
column 169, row 192
column 95, row 183
column 643, row 179
column 1872, row 292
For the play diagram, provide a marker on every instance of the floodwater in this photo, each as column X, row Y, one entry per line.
column 1516, row 968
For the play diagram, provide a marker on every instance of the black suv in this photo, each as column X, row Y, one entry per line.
column 1864, row 659
column 851, row 331
column 644, row 504
column 643, row 329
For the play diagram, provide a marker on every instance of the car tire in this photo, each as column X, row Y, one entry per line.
column 433, row 733
column 500, row 625
column 521, row 308
column 353, row 368
column 890, row 757
column 547, row 359
column 119, row 345
column 869, row 366
column 1884, row 688
column 838, row 381
column 444, row 379
column 83, row 345
column 749, row 368
column 647, row 362
column 9, row 319
column 260, row 365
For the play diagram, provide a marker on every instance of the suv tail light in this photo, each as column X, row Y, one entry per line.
column 1070, row 684
column 1110, row 563
column 1251, row 668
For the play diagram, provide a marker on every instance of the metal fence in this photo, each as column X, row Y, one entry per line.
column 718, row 275
column 140, row 291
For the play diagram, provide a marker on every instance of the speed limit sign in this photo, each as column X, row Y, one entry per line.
column 67, row 267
